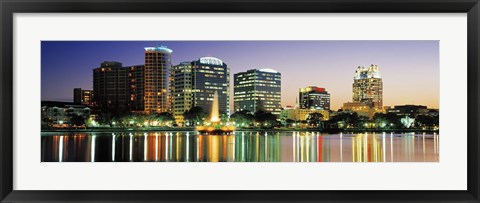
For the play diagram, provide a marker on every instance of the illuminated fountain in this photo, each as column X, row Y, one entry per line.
column 214, row 126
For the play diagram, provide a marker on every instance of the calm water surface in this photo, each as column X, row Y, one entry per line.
column 239, row 147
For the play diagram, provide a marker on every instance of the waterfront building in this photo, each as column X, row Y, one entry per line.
column 433, row 112
column 118, row 87
column 211, row 75
column 368, row 86
column 59, row 114
column 157, row 79
column 312, row 97
column 182, row 90
column 111, row 86
column 413, row 110
column 363, row 109
column 258, row 89
column 195, row 83
column 367, row 92
column 84, row 97
column 136, row 89
column 302, row 114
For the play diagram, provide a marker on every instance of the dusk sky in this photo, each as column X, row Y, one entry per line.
column 410, row 69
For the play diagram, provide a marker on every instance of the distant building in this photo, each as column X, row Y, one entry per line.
column 77, row 96
column 367, row 92
column 258, row 89
column 59, row 114
column 363, row 109
column 314, row 98
column 84, row 97
column 433, row 112
column 157, row 79
column 368, row 86
column 111, row 86
column 413, row 110
column 302, row 114
column 195, row 83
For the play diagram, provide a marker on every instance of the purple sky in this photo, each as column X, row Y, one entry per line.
column 410, row 69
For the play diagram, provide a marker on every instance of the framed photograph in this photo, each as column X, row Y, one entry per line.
column 265, row 101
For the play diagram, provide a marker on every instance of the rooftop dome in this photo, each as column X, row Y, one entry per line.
column 268, row 70
column 211, row 60
column 159, row 48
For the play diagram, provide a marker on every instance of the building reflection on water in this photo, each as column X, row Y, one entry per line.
column 240, row 147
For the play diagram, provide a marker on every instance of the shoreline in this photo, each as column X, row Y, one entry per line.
column 329, row 131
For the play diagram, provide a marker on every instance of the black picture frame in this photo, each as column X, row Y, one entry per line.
column 10, row 7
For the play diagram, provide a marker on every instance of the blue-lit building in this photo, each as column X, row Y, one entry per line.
column 195, row 82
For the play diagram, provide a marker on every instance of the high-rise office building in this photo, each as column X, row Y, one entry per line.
column 258, row 89
column 368, row 86
column 211, row 75
column 314, row 98
column 111, row 86
column 84, row 97
column 182, row 89
column 194, row 84
column 157, row 79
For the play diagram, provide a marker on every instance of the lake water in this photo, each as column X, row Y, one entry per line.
column 242, row 146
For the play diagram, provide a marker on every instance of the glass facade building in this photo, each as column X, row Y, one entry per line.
column 194, row 84
column 314, row 98
column 258, row 89
column 182, row 89
column 368, row 86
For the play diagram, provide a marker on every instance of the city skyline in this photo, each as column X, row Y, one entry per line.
column 410, row 69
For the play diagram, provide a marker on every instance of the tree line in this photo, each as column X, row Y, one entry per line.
column 259, row 119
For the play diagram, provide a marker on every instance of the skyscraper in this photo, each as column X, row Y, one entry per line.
column 157, row 79
column 368, row 86
column 314, row 98
column 182, row 89
column 258, row 89
column 195, row 83
column 111, row 86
